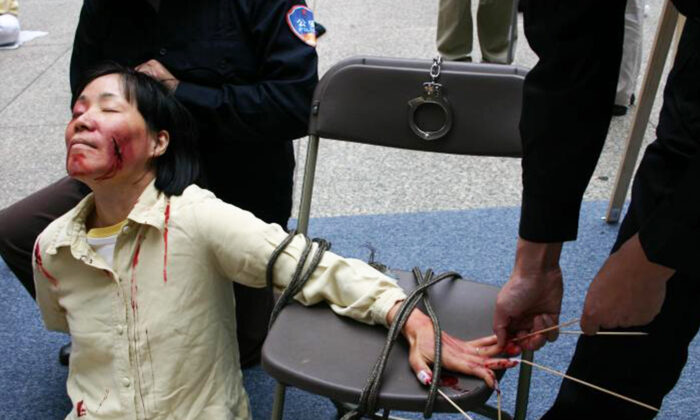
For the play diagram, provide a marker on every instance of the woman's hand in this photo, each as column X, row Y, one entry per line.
column 469, row 357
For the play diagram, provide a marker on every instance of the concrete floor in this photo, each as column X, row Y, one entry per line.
column 34, row 108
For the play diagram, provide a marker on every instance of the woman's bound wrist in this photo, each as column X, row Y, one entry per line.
column 415, row 320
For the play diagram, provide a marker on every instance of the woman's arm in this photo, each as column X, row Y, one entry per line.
column 242, row 246
column 46, row 287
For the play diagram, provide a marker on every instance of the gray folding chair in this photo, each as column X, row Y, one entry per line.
column 457, row 108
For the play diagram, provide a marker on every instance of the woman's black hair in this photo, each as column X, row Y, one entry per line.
column 178, row 167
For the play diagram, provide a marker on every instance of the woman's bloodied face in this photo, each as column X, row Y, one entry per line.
column 107, row 139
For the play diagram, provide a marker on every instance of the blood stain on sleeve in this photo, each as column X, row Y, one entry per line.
column 40, row 266
column 81, row 409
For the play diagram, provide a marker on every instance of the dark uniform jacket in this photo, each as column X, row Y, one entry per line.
column 247, row 79
column 567, row 104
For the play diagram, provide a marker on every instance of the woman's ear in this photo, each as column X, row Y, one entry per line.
column 161, row 143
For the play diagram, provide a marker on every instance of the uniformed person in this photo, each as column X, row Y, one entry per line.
column 651, row 279
column 246, row 69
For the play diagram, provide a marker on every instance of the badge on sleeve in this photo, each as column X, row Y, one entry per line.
column 301, row 21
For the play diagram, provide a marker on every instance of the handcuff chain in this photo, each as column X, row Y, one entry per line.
column 435, row 68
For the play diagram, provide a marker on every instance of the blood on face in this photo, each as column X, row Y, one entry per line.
column 107, row 135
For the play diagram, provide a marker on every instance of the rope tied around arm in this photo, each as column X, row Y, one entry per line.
column 300, row 277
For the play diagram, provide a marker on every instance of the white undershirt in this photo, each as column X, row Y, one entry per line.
column 102, row 240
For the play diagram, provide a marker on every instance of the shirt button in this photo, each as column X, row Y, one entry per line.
column 163, row 51
column 126, row 382
column 120, row 329
column 126, row 228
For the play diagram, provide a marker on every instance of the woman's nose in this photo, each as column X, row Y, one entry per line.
column 83, row 122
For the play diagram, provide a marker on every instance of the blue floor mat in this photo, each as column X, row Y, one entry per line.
column 477, row 243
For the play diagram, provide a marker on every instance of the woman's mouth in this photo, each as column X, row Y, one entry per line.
column 81, row 143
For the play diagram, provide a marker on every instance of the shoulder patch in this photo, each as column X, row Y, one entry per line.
column 301, row 22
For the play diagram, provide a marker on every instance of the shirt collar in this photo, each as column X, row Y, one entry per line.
column 150, row 209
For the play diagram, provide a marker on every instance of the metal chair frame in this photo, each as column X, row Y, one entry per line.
column 499, row 139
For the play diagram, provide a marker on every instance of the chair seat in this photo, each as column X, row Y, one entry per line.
column 333, row 355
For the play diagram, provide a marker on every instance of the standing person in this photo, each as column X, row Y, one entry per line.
column 631, row 57
column 246, row 70
column 9, row 24
column 650, row 280
column 455, row 32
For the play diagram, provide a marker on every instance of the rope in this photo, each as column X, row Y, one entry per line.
column 370, row 393
column 300, row 277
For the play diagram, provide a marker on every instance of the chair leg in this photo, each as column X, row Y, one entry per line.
column 491, row 412
column 278, row 404
column 523, row 386
column 341, row 409
column 383, row 414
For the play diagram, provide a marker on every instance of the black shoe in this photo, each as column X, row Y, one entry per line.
column 320, row 29
column 619, row 110
column 64, row 354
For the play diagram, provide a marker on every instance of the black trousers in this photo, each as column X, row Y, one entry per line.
column 647, row 368
column 255, row 178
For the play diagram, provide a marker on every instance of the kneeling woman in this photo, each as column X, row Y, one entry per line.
column 138, row 272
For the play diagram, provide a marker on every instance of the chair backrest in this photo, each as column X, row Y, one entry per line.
column 367, row 100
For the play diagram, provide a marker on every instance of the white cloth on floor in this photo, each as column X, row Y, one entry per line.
column 24, row 36
column 9, row 29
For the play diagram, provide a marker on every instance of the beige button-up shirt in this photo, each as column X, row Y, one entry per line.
column 154, row 335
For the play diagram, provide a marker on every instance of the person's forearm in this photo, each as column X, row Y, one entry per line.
column 566, row 109
column 669, row 236
column 264, row 111
column 535, row 257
